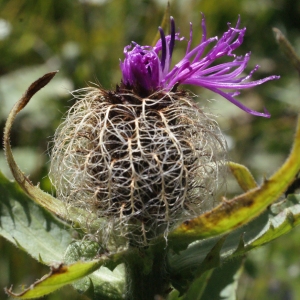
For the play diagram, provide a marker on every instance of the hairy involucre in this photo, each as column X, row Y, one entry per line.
column 143, row 164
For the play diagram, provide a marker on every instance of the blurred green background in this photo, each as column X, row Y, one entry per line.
column 84, row 40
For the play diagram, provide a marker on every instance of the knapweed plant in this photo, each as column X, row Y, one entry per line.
column 137, row 172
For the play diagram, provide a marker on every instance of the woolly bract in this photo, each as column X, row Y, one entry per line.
column 143, row 164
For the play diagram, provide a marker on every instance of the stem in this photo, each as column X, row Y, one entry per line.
column 146, row 275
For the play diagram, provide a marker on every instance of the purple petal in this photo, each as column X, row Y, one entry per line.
column 149, row 67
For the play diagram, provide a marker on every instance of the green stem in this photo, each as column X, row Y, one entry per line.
column 146, row 276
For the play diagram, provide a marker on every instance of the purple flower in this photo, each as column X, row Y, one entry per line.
column 148, row 68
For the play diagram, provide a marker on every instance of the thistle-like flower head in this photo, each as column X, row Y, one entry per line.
column 148, row 68
column 144, row 157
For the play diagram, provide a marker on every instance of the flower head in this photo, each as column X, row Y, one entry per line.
column 148, row 68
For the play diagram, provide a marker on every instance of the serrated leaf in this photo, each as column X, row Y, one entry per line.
column 242, row 209
column 220, row 283
column 198, row 286
column 57, row 278
column 81, row 250
column 203, row 271
column 107, row 284
column 278, row 225
column 279, row 219
column 29, row 226
column 189, row 264
column 103, row 283
column 39, row 233
column 223, row 282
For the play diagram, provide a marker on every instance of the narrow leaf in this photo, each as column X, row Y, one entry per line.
column 287, row 49
column 224, row 281
column 279, row 219
column 182, row 280
column 198, row 286
column 243, row 176
column 174, row 295
column 241, row 209
column 75, row 215
column 29, row 226
column 57, row 278
column 278, row 225
column 102, row 282
column 107, row 284
column 35, row 193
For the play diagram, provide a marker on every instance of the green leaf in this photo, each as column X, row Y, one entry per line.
column 75, row 215
column 198, row 286
column 217, row 284
column 242, row 209
column 279, row 219
column 223, row 282
column 205, row 258
column 44, row 237
column 103, row 283
column 29, row 226
column 107, row 284
column 280, row 224
column 58, row 277
column 243, row 176
column 214, row 284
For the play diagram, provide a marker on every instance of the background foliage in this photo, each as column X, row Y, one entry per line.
column 85, row 39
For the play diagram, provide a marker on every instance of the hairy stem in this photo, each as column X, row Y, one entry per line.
column 146, row 276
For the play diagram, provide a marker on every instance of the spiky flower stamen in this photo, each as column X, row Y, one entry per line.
column 195, row 68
